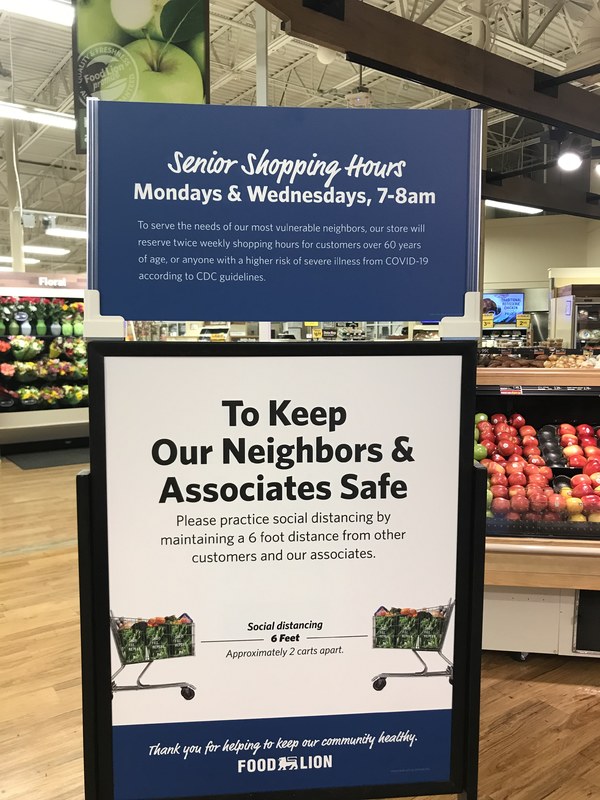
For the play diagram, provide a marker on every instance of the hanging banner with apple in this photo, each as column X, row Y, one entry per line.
column 143, row 51
column 208, row 212
column 271, row 606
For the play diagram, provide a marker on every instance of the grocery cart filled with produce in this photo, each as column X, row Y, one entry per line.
column 144, row 641
column 413, row 629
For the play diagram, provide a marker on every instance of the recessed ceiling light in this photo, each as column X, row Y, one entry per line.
column 67, row 233
column 513, row 207
column 9, row 260
column 42, row 250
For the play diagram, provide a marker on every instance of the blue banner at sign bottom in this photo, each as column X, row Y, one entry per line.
column 196, row 759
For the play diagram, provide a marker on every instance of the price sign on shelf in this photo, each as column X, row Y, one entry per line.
column 523, row 320
column 488, row 321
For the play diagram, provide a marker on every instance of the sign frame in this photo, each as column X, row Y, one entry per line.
column 94, row 571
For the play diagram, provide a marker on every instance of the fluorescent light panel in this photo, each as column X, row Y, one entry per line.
column 42, row 250
column 6, row 269
column 67, row 233
column 39, row 116
column 513, row 207
column 9, row 260
column 60, row 13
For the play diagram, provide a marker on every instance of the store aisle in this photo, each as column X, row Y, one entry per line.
column 540, row 719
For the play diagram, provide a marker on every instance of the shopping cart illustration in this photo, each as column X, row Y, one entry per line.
column 422, row 630
column 144, row 641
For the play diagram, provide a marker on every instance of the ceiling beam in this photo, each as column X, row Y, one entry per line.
column 391, row 44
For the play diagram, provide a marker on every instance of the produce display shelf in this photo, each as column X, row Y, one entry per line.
column 40, row 426
column 551, row 564
column 493, row 380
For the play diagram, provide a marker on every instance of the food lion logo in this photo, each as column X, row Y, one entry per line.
column 106, row 71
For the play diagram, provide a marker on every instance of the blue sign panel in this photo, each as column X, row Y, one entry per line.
column 200, row 212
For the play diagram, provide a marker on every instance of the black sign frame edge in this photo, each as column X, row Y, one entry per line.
column 94, row 574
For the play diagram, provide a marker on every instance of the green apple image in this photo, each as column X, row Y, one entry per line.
column 162, row 20
column 479, row 452
column 137, row 17
column 95, row 23
column 196, row 48
column 165, row 74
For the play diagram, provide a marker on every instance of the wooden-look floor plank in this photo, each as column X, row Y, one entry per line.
column 540, row 720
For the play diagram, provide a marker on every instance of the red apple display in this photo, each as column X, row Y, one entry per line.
column 519, row 503
column 500, row 506
column 517, row 420
column 496, row 418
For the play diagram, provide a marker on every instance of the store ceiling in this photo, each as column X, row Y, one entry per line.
column 35, row 67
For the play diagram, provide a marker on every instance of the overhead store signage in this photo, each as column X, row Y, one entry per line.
column 139, row 51
column 274, row 572
column 261, row 213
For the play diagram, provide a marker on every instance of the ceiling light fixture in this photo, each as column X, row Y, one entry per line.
column 6, row 269
column 597, row 168
column 39, row 116
column 42, row 250
column 9, row 260
column 569, row 160
column 60, row 13
column 67, row 233
column 513, row 207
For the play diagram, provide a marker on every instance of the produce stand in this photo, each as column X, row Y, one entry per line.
column 533, row 578
column 421, row 631
column 142, row 642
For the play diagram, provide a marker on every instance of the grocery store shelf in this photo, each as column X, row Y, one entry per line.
column 41, row 426
column 544, row 381
column 556, row 564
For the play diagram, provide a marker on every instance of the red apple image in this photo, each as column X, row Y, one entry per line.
column 593, row 465
column 500, row 506
column 497, row 458
column 493, row 467
column 501, row 428
column 530, row 441
column 512, row 516
column 568, row 439
column 517, row 420
column 584, row 430
column 489, row 446
column 502, row 491
column 557, row 503
column 527, row 430
column 566, row 428
column 519, row 503
column 506, row 448
column 550, row 516
column 538, row 503
column 531, row 469
column 512, row 468
column 587, row 441
column 515, row 490
column 531, row 451
column 498, row 480
column 548, row 490
column 578, row 491
column 592, row 452
column 496, row 418
column 595, row 478
column 537, row 461
column 512, row 431
column 518, row 450
column 531, row 517
column 573, row 450
column 537, row 480
column 546, row 472
column 485, row 427
column 591, row 503
column 575, row 462
column 581, row 479
column 517, row 479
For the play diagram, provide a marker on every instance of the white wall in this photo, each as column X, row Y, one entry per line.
column 518, row 251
